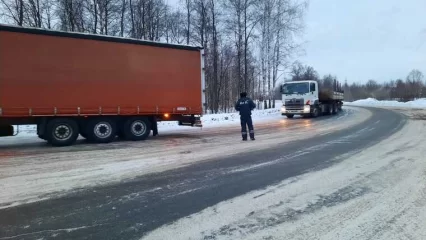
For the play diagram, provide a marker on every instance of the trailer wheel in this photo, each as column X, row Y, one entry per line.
column 61, row 132
column 101, row 130
column 136, row 129
column 290, row 115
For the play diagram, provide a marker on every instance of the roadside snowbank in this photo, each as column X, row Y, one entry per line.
column 371, row 102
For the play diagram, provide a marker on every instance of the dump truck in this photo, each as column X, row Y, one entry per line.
column 99, row 87
column 311, row 98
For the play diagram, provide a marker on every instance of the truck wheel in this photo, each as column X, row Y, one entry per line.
column 101, row 130
column 290, row 115
column 330, row 110
column 61, row 132
column 315, row 112
column 136, row 129
column 334, row 109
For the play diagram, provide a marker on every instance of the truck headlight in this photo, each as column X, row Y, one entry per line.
column 283, row 109
column 307, row 108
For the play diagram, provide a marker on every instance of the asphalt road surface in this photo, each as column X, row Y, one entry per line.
column 130, row 209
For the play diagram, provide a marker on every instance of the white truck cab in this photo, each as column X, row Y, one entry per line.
column 307, row 99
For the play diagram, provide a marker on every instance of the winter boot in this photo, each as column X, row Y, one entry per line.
column 244, row 137
column 252, row 136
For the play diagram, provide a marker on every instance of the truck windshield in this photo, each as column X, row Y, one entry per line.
column 296, row 88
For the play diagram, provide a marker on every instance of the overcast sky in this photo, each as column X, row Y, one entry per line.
column 365, row 39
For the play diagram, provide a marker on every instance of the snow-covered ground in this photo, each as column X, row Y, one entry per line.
column 379, row 193
column 371, row 102
column 29, row 174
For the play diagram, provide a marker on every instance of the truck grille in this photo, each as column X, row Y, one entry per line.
column 294, row 104
column 294, row 107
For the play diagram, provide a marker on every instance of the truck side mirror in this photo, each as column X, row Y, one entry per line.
column 281, row 89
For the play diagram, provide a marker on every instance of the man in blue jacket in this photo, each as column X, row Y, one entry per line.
column 245, row 105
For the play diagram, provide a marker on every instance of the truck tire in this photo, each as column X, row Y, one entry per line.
column 315, row 112
column 101, row 130
column 334, row 109
column 61, row 132
column 136, row 129
column 290, row 115
column 329, row 109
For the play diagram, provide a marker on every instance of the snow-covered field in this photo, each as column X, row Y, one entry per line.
column 379, row 193
column 29, row 174
column 371, row 102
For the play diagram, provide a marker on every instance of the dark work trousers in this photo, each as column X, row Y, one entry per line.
column 246, row 122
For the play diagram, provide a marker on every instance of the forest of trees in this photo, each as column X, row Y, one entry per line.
column 249, row 44
column 413, row 87
column 408, row 89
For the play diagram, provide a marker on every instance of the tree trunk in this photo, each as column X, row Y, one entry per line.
column 123, row 11
column 106, row 17
column 71, row 15
column 95, row 5
column 132, row 16
column 48, row 15
column 38, row 14
column 21, row 13
column 188, row 20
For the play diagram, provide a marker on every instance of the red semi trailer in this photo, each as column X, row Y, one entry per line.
column 96, row 86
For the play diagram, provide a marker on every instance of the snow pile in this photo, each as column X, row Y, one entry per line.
column 371, row 102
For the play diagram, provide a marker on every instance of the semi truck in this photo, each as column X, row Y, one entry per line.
column 99, row 87
column 311, row 98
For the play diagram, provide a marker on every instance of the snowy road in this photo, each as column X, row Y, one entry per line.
column 296, row 182
column 30, row 170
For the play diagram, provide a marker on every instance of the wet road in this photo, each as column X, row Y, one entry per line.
column 130, row 209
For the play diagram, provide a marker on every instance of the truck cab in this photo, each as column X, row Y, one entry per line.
column 309, row 98
column 299, row 97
